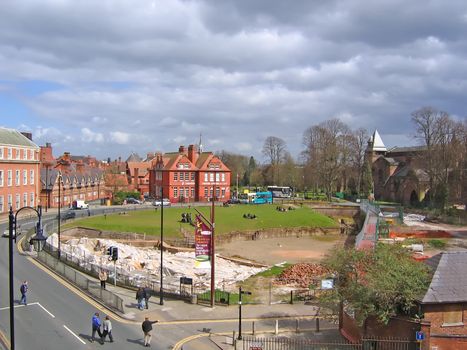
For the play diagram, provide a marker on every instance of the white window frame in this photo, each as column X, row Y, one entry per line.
column 25, row 177
column 17, row 177
column 175, row 192
column 9, row 153
column 1, row 177
column 192, row 192
column 31, row 199
column 25, row 154
column 206, row 177
column 10, row 178
column 1, row 152
column 223, row 177
column 25, row 199
column 31, row 177
column 10, row 201
column 1, row 204
column 18, row 155
column 217, row 177
column 211, row 177
column 17, row 201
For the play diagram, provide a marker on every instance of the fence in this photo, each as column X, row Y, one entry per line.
column 284, row 343
column 368, row 235
column 75, row 277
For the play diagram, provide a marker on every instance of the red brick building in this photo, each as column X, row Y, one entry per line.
column 189, row 176
column 82, row 178
column 19, row 170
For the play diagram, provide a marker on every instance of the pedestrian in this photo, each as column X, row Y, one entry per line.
column 107, row 329
column 147, row 328
column 23, row 289
column 96, row 327
column 140, row 297
column 147, row 295
column 102, row 278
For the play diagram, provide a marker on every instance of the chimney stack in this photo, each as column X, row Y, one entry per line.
column 182, row 150
column 193, row 154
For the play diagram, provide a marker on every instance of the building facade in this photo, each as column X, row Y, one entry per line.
column 69, row 178
column 19, row 170
column 189, row 175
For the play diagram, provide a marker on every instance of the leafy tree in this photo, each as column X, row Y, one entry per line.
column 382, row 283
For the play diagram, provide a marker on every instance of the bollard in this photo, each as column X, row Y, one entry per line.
column 253, row 327
column 317, row 324
column 291, row 297
column 276, row 330
column 297, row 325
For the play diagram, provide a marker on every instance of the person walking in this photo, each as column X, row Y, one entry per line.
column 23, row 289
column 140, row 297
column 102, row 278
column 96, row 327
column 147, row 295
column 147, row 328
column 107, row 329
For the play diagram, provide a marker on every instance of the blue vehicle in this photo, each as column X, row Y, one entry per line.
column 262, row 198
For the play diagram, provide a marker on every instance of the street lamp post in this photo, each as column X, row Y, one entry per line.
column 240, row 293
column 59, row 253
column 161, row 301
column 38, row 241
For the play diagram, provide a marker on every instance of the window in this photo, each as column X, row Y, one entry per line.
column 30, row 153
column 192, row 176
column 10, row 200
column 17, row 153
column 25, row 177
column 1, row 204
column 217, row 192
column 205, row 192
column 452, row 315
column 17, row 178
column 205, row 177
column 175, row 176
column 25, row 199
column 31, row 177
column 217, row 177
column 25, row 154
column 1, row 152
column 31, row 199
column 10, row 175
column 1, row 178
column 187, row 176
column 210, row 192
column 192, row 192
column 18, row 199
column 187, row 192
column 211, row 177
column 223, row 177
column 175, row 192
column 223, row 192
column 10, row 153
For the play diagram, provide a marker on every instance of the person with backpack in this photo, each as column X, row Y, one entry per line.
column 23, row 289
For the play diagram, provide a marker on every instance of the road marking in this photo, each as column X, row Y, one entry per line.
column 73, row 333
column 43, row 308
column 17, row 306
column 4, row 340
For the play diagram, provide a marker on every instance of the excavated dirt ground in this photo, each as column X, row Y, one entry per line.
column 276, row 250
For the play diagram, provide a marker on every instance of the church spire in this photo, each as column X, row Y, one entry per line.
column 200, row 144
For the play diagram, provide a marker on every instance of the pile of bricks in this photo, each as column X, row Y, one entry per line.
column 302, row 275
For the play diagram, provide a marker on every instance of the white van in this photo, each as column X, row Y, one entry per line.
column 80, row 204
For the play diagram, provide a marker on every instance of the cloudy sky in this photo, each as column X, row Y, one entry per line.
column 109, row 77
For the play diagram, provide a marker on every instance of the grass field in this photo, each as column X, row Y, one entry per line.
column 227, row 219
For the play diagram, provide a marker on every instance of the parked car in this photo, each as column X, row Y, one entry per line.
column 70, row 214
column 131, row 200
column 232, row 201
column 6, row 233
column 164, row 201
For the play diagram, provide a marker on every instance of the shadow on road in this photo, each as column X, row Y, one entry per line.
column 136, row 341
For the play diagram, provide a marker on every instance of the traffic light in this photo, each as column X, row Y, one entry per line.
column 114, row 253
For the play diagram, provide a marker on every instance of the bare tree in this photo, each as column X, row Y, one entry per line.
column 359, row 145
column 274, row 149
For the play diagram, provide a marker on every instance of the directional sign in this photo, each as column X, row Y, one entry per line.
column 419, row 335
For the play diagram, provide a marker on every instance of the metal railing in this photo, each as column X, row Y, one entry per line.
column 286, row 343
column 81, row 281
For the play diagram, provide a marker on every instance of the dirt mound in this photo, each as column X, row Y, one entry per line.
column 301, row 275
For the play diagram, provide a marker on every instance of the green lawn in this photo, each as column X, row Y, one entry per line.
column 227, row 219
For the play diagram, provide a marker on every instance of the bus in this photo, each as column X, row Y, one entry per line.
column 255, row 198
column 281, row 191
column 262, row 198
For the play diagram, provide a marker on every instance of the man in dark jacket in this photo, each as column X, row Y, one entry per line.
column 147, row 328
column 23, row 289
column 147, row 295
column 140, row 297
